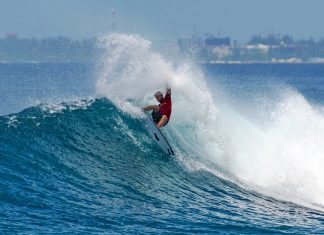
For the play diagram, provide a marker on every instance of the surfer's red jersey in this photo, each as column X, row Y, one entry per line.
column 165, row 106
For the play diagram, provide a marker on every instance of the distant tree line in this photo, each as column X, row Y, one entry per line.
column 62, row 49
column 271, row 39
column 285, row 46
column 55, row 49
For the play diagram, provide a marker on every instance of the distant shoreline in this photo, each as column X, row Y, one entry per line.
column 262, row 62
column 203, row 63
column 34, row 62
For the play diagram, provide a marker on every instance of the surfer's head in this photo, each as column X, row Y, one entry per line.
column 158, row 96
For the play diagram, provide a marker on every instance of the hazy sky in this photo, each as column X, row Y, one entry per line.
column 163, row 18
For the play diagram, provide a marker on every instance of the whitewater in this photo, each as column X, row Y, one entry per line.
column 284, row 154
column 249, row 152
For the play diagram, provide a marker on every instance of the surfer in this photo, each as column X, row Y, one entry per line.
column 161, row 113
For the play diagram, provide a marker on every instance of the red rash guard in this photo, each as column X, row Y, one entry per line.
column 165, row 106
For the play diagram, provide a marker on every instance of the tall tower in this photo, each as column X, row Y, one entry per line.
column 113, row 19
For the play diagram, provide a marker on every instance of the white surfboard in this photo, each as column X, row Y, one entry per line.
column 157, row 135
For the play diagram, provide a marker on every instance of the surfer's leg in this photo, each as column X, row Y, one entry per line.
column 156, row 116
column 162, row 121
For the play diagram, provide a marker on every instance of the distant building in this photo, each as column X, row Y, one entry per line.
column 218, row 47
column 259, row 48
column 217, row 42
column 209, row 48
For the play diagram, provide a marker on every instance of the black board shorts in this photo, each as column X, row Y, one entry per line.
column 156, row 116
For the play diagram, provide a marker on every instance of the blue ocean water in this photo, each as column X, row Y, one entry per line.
column 73, row 161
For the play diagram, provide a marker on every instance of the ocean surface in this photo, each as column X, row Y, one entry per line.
column 76, row 159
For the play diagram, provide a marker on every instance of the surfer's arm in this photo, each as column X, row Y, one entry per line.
column 168, row 94
column 151, row 107
column 162, row 121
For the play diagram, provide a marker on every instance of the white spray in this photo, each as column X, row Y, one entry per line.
column 284, row 156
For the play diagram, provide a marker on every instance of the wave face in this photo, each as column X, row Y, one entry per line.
column 249, row 152
column 91, row 167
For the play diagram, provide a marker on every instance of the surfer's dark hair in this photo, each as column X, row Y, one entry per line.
column 158, row 93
